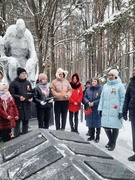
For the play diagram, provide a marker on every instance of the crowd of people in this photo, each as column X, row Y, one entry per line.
column 104, row 107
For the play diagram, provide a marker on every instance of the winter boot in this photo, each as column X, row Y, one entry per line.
column 115, row 133
column 132, row 158
column 97, row 135
column 88, row 133
column 92, row 135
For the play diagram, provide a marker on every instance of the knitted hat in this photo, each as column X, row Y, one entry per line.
column 59, row 71
column 42, row 76
column 20, row 70
column 88, row 81
column 114, row 72
column 2, row 85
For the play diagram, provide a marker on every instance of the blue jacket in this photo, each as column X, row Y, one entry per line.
column 111, row 103
column 92, row 94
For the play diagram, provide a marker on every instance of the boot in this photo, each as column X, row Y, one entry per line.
column 109, row 135
column 97, row 135
column 132, row 158
column 92, row 135
column 115, row 133
column 88, row 133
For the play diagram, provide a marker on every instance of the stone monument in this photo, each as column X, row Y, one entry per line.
column 17, row 50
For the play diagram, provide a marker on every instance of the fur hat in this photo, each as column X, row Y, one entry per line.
column 20, row 70
column 59, row 71
column 42, row 76
column 2, row 85
column 114, row 72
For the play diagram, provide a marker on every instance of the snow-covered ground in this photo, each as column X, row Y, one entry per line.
column 124, row 142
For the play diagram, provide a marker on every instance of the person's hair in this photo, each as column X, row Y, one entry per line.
column 95, row 78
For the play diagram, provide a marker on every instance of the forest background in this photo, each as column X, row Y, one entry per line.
column 84, row 36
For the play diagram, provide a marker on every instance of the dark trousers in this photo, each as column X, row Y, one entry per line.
column 92, row 132
column 112, row 135
column 133, row 133
column 60, row 110
column 43, row 116
column 24, row 127
column 5, row 135
column 73, row 120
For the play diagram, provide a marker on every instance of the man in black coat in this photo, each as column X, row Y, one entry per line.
column 129, row 104
column 21, row 90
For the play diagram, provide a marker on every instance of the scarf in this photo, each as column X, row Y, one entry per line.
column 6, row 98
column 75, row 85
column 44, row 88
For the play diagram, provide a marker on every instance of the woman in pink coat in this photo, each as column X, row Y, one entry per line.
column 75, row 102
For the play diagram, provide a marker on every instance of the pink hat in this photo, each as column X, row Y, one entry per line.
column 42, row 76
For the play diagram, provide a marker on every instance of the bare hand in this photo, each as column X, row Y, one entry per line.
column 22, row 98
column 16, row 117
column 9, row 117
column 75, row 103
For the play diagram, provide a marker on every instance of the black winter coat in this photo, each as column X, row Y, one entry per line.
column 18, row 88
column 129, row 103
column 39, row 96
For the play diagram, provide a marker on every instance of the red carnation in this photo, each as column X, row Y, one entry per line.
column 115, row 107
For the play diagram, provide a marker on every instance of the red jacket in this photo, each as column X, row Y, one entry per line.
column 11, row 111
column 77, row 95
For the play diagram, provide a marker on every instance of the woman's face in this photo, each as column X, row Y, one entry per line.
column 43, row 81
column 61, row 75
column 111, row 77
column 94, row 82
column 74, row 79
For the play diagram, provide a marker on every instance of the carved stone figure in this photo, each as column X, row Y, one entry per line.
column 19, row 51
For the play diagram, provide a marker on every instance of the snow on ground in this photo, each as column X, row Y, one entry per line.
column 124, row 142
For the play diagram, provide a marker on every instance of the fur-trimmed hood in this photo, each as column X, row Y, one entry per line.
column 59, row 71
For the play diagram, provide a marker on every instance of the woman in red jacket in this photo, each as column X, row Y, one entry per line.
column 75, row 102
column 8, row 113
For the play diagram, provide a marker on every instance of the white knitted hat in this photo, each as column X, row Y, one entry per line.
column 114, row 72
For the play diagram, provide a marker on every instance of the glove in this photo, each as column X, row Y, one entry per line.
column 50, row 101
column 120, row 115
column 43, row 103
column 100, row 113
column 125, row 117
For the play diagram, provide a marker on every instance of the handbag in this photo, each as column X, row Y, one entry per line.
column 88, row 111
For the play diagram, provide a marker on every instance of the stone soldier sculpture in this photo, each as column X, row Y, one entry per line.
column 19, row 51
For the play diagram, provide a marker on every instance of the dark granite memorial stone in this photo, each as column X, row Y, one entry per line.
column 60, row 170
column 87, row 150
column 69, row 173
column 32, row 164
column 22, row 146
column 68, row 136
column 110, row 169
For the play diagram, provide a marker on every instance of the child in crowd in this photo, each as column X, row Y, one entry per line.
column 8, row 113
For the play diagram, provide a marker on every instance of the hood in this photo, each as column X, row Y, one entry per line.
column 59, row 71
column 77, row 84
column 116, row 81
column 78, row 78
